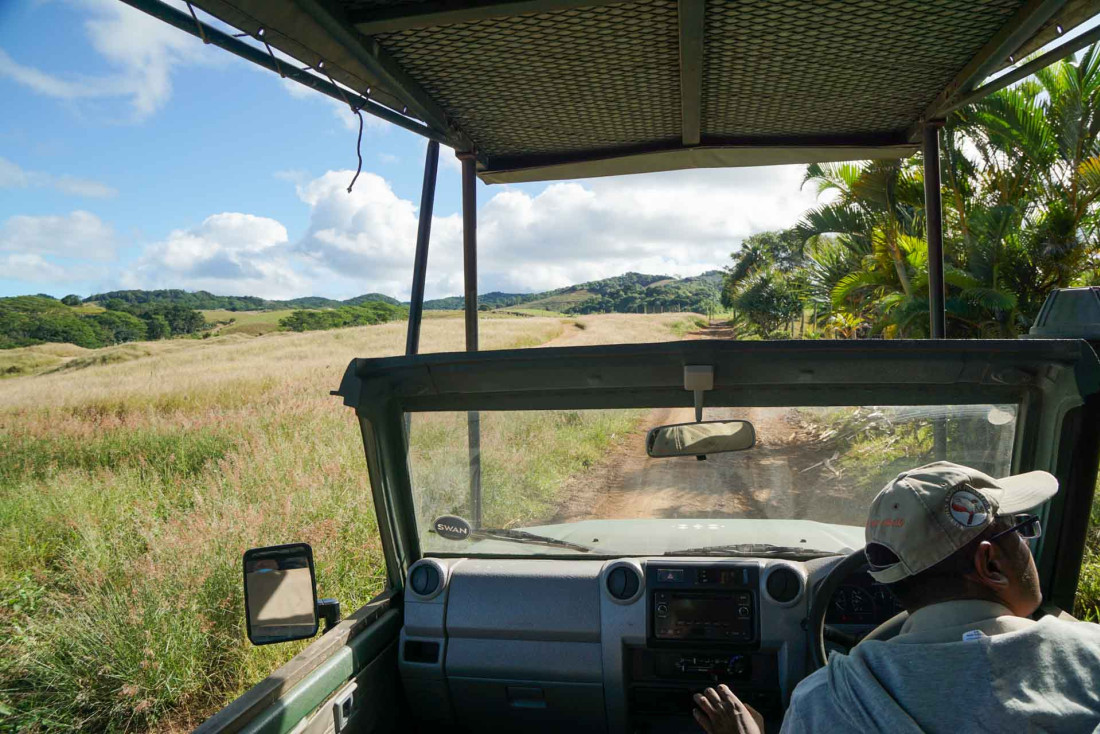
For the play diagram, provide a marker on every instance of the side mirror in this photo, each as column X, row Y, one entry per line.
column 280, row 593
column 700, row 439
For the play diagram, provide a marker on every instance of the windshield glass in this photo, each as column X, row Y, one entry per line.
column 580, row 481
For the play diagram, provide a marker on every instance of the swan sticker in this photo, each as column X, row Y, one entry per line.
column 967, row 508
column 451, row 527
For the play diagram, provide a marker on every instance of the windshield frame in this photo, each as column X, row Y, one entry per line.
column 1047, row 379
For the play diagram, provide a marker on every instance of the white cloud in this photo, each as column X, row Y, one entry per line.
column 33, row 269
column 79, row 234
column 143, row 50
column 678, row 223
column 12, row 176
column 229, row 253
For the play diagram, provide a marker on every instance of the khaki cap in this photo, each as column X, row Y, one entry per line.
column 927, row 514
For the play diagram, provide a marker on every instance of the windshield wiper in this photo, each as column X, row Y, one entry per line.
column 522, row 536
column 759, row 550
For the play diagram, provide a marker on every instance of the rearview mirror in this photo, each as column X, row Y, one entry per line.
column 700, row 439
column 280, row 593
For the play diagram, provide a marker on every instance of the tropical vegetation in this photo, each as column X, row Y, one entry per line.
column 1020, row 185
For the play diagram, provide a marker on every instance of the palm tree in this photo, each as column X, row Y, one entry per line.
column 1021, row 187
column 877, row 196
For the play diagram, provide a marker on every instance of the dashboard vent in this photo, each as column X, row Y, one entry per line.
column 424, row 579
column 784, row 585
column 623, row 583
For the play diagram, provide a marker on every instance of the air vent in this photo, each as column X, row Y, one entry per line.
column 784, row 585
column 623, row 583
column 424, row 579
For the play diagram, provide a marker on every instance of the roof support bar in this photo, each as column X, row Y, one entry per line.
column 406, row 16
column 1025, row 70
column 185, row 22
column 469, row 263
column 367, row 52
column 1012, row 35
column 420, row 261
column 692, row 13
column 933, row 215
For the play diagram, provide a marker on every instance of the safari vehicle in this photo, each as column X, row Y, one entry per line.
column 720, row 538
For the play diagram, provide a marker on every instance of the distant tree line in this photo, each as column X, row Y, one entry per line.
column 28, row 320
column 364, row 314
column 485, row 301
column 202, row 300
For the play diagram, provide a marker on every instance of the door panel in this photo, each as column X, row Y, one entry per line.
column 362, row 648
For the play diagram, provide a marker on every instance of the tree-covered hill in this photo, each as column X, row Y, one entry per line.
column 205, row 301
column 494, row 299
column 627, row 293
column 28, row 320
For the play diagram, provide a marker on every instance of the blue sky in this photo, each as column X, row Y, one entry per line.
column 131, row 155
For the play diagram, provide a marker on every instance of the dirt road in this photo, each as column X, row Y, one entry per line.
column 777, row 478
column 786, row 475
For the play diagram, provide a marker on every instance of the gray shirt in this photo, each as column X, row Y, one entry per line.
column 958, row 667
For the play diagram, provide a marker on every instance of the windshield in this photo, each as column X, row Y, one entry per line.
column 580, row 481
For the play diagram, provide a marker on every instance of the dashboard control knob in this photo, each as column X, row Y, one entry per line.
column 662, row 609
column 742, row 612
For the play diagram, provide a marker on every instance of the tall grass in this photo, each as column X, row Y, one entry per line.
column 1087, row 605
column 130, row 487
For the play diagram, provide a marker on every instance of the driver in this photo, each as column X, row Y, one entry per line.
column 949, row 543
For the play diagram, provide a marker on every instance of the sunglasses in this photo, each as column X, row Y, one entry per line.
column 1026, row 525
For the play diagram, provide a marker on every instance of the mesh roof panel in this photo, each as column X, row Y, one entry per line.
column 599, row 77
column 593, row 87
column 756, row 80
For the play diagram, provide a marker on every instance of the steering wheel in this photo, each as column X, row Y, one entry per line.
column 823, row 596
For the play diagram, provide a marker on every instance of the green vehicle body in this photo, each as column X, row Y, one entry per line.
column 1056, row 383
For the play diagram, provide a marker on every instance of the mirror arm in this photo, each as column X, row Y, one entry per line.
column 698, row 378
column 329, row 610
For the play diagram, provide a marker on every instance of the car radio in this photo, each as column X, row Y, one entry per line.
column 703, row 603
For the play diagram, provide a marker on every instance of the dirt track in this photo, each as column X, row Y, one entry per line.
column 766, row 481
column 784, row 476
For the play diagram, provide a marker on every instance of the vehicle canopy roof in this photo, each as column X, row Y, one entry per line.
column 552, row 89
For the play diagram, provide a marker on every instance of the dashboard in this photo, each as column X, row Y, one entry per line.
column 609, row 645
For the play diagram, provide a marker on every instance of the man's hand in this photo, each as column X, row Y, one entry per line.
column 721, row 712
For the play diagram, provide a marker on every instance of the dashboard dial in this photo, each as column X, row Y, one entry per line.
column 852, row 605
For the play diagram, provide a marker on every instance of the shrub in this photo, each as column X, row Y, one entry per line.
column 365, row 314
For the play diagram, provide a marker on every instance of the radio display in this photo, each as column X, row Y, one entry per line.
column 721, row 617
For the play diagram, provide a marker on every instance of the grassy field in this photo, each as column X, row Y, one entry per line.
column 132, row 478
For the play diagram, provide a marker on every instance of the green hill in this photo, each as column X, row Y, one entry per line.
column 205, row 301
column 493, row 299
column 627, row 293
column 30, row 320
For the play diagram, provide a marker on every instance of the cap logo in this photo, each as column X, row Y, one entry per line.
column 967, row 508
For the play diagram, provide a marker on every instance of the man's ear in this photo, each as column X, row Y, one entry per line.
column 989, row 567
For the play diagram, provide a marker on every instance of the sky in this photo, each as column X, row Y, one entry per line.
column 133, row 156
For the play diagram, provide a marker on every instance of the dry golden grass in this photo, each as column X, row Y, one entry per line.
column 622, row 328
column 196, row 374
column 132, row 478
